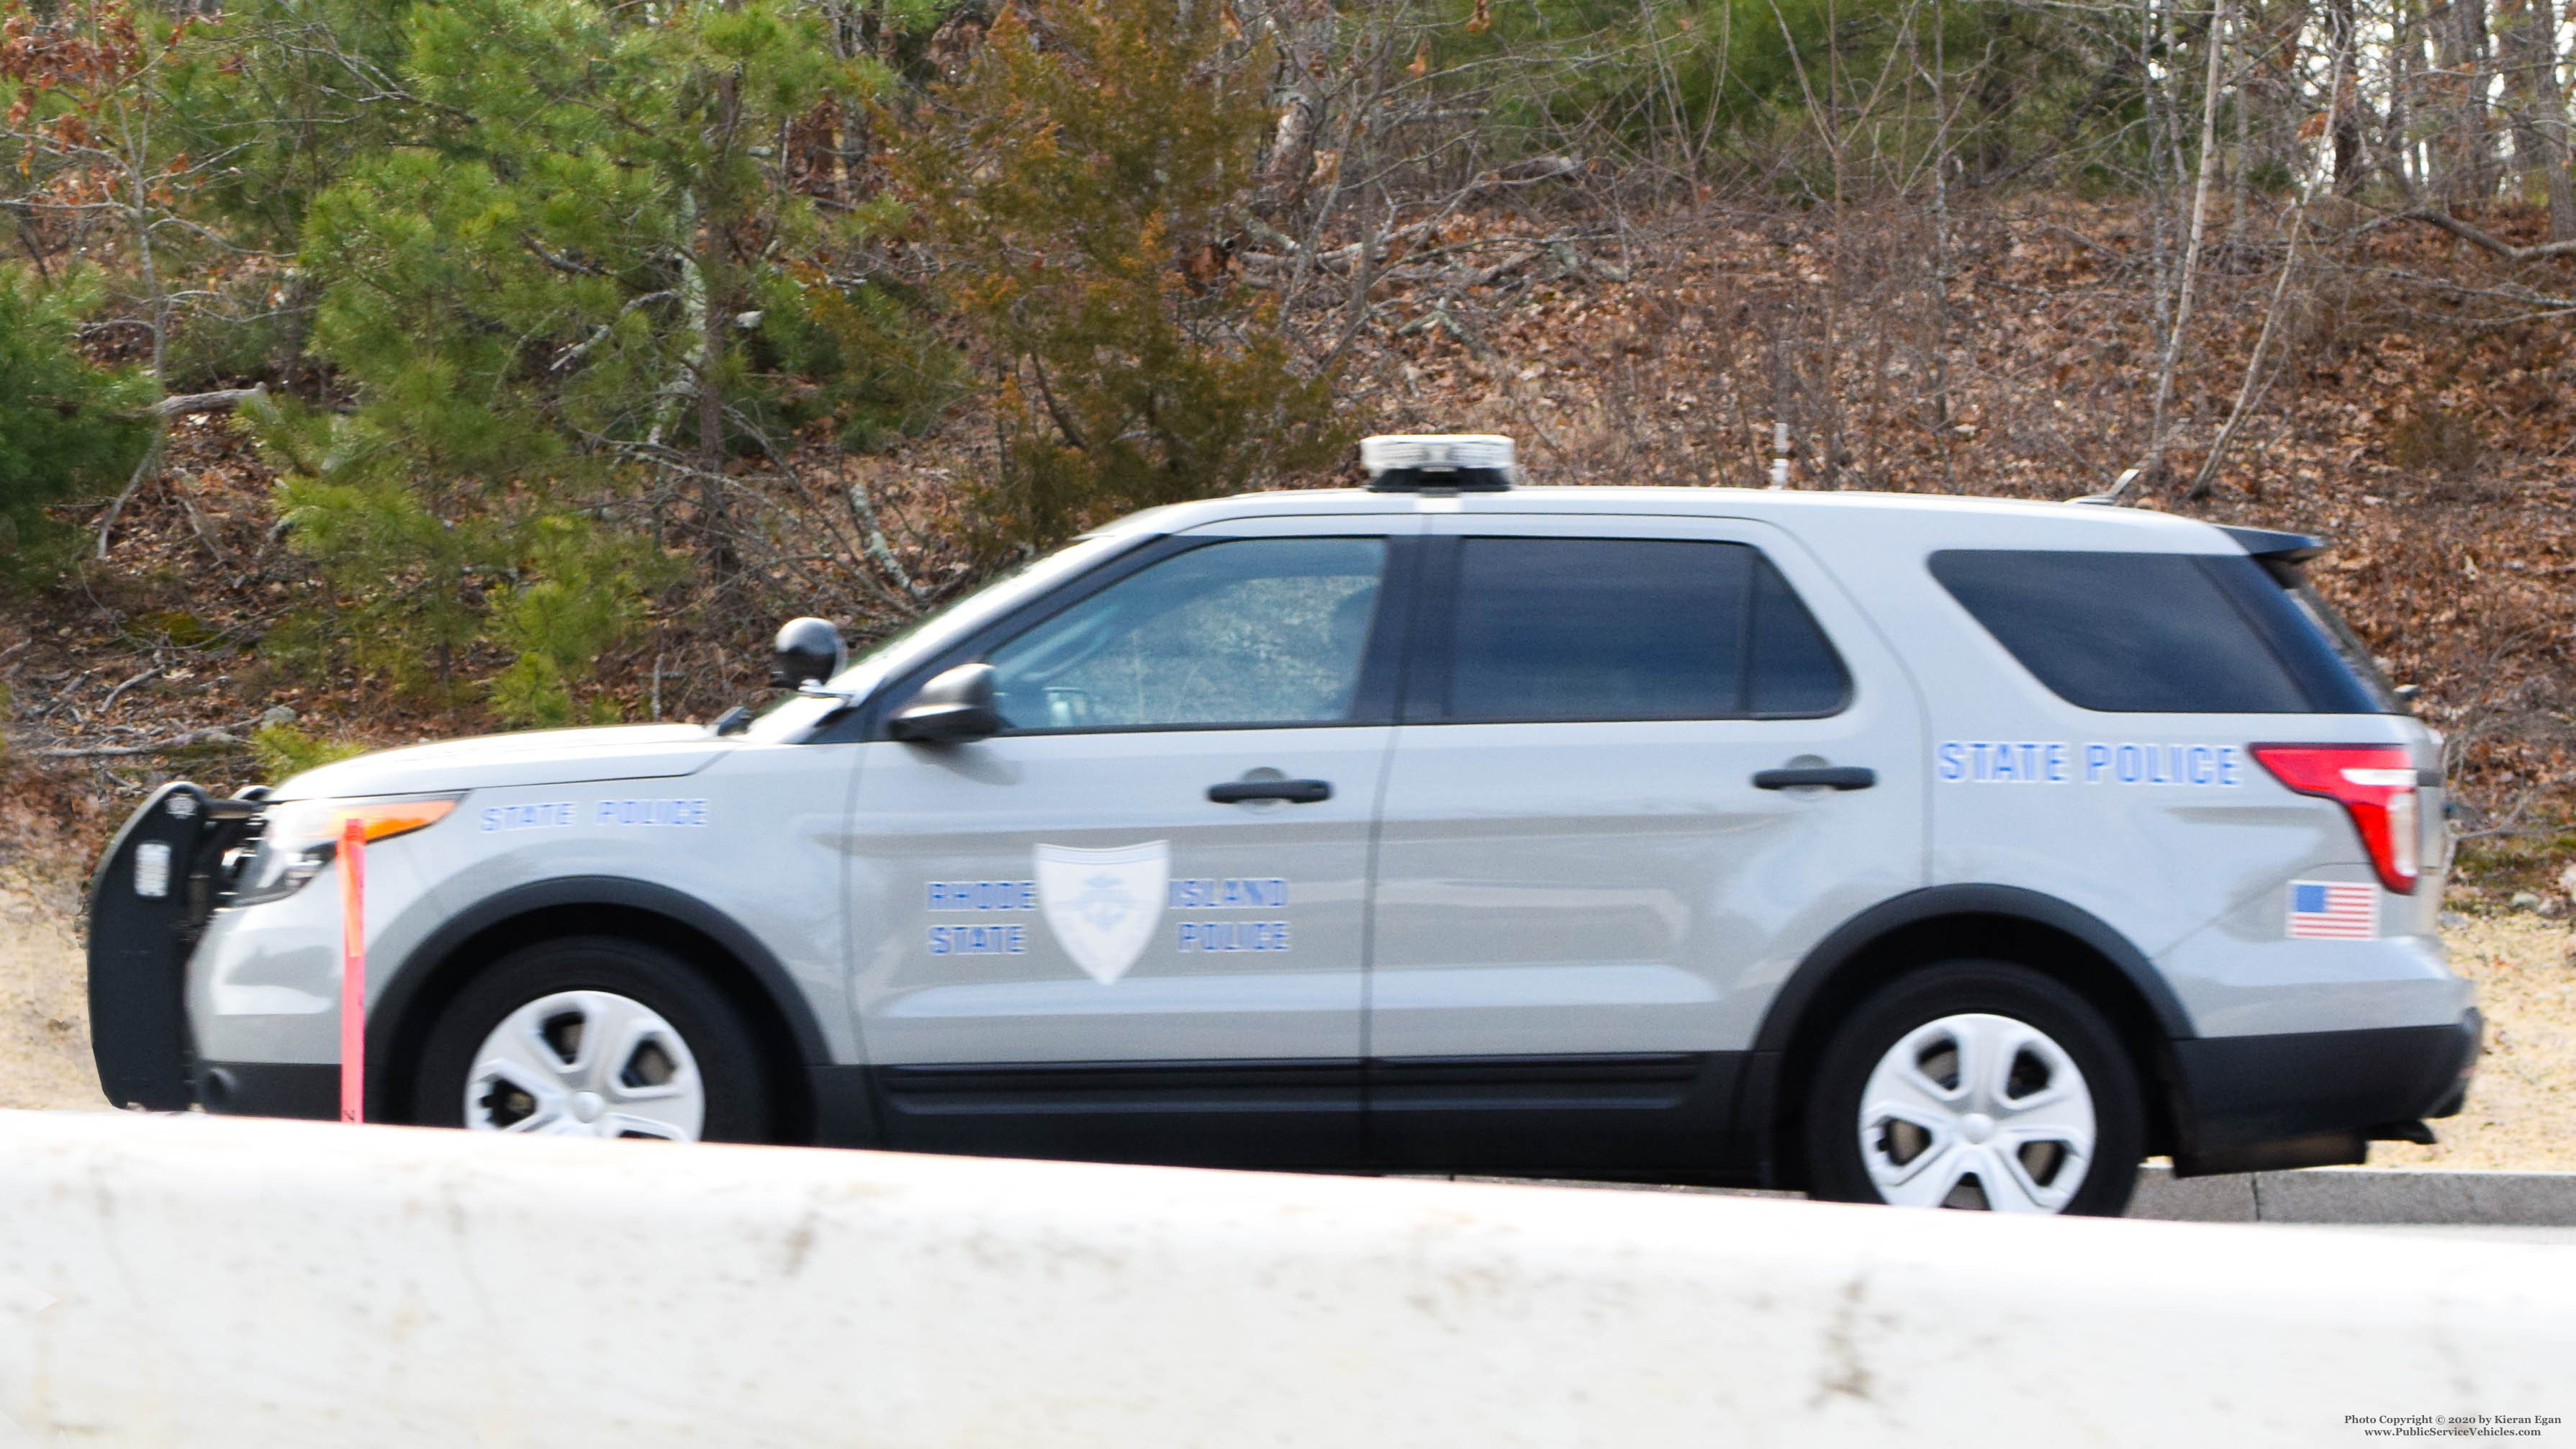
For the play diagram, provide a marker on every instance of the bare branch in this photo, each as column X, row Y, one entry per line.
column 2435, row 216
column 213, row 735
column 187, row 404
column 558, row 261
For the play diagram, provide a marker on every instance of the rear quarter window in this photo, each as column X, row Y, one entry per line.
column 2154, row 633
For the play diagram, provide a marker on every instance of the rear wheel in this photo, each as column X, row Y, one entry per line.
column 1981, row 1085
column 594, row 1037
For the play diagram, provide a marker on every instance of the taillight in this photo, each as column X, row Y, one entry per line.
column 2375, row 785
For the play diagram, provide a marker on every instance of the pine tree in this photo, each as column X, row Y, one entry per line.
column 541, row 307
column 67, row 429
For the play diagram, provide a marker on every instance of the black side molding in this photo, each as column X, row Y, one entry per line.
column 1247, row 1113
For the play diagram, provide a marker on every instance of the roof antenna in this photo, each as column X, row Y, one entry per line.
column 2119, row 486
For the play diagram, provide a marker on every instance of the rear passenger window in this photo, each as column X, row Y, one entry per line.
column 2153, row 633
column 1630, row 629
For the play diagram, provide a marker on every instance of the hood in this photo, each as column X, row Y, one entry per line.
column 536, row 757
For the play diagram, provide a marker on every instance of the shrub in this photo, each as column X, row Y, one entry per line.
column 67, row 429
column 1074, row 183
column 284, row 750
column 542, row 308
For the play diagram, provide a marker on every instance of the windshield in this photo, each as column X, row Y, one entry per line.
column 793, row 715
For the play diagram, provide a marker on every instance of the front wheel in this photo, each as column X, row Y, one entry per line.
column 1981, row 1085
column 594, row 1037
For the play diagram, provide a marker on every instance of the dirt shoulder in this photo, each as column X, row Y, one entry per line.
column 44, row 1010
column 2522, row 1107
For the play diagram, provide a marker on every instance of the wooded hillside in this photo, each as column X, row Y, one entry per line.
column 372, row 370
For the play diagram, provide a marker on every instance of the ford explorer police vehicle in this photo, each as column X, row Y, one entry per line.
column 1920, row 850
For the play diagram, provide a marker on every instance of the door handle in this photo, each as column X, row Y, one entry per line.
column 1832, row 777
column 1300, row 792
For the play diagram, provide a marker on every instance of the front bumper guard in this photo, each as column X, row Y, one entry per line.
column 162, row 877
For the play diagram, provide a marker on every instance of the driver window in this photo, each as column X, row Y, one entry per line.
column 1265, row 631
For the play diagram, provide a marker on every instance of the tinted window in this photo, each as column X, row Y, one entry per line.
column 2370, row 691
column 1580, row 629
column 2158, row 633
column 1253, row 631
column 1795, row 672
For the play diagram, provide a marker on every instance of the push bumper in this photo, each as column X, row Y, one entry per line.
column 2316, row 1099
column 161, row 878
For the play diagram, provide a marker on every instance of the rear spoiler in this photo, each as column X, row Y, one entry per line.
column 2279, row 553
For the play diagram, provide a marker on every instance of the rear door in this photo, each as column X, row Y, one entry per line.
column 1591, row 876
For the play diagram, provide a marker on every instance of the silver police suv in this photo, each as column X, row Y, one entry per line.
column 1902, row 849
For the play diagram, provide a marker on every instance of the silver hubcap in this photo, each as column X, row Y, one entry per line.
column 586, row 1064
column 1977, row 1111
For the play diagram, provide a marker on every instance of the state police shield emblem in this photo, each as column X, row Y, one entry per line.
column 1103, row 905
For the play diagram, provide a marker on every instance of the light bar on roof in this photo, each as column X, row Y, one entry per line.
column 1436, row 452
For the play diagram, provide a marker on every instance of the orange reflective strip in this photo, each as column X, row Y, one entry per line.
column 353, row 970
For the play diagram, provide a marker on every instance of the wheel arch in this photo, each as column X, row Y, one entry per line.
column 734, row 960
column 2004, row 923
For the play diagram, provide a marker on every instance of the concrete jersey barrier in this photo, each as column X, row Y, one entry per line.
column 189, row 1281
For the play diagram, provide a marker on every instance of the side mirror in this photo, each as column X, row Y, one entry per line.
column 808, row 651
column 954, row 708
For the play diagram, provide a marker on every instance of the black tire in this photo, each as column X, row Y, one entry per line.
column 1838, row 1163
column 726, row 1055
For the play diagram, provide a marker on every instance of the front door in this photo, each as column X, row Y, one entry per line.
column 1130, row 926
column 1590, row 881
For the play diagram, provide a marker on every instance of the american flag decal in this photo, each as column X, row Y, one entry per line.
column 2328, row 910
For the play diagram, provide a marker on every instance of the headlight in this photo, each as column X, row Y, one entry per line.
column 302, row 835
